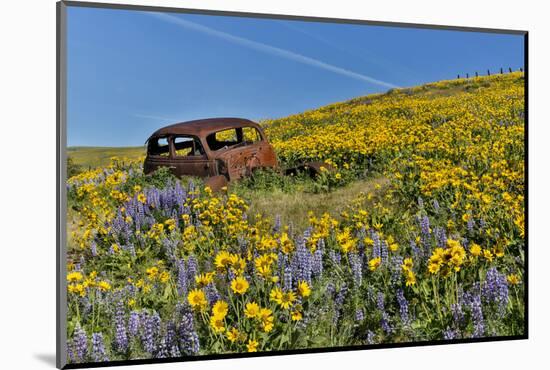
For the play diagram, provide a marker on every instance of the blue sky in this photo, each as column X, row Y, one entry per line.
column 131, row 72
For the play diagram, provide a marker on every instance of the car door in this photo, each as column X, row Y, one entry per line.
column 189, row 157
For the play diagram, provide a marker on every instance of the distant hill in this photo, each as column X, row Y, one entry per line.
column 95, row 156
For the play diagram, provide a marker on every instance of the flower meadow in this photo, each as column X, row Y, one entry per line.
column 163, row 267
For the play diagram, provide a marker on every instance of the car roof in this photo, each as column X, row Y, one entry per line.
column 203, row 127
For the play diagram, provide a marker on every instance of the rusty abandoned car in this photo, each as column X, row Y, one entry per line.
column 218, row 149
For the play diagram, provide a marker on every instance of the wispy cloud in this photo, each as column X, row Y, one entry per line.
column 268, row 49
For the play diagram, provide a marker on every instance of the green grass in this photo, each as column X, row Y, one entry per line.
column 95, row 156
column 293, row 204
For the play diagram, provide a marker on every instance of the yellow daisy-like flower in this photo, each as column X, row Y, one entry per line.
column 252, row 310
column 220, row 309
column 513, row 279
column 252, row 346
column 303, row 289
column 434, row 268
column 74, row 276
column 475, row 250
column 104, row 286
column 142, row 198
column 407, row 264
column 410, row 278
column 287, row 245
column 203, row 280
column 217, row 324
column 239, row 285
column 266, row 318
column 296, row 316
column 488, row 255
column 287, row 299
column 375, row 263
column 164, row 277
column 152, row 272
column 276, row 295
column 197, row 299
column 233, row 335
column 223, row 260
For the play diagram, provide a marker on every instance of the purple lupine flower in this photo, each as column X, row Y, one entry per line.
column 169, row 246
column 133, row 323
column 94, row 249
column 150, row 327
column 450, row 334
column 495, row 289
column 341, row 296
column 86, row 305
column 98, row 348
column 370, row 337
column 182, row 282
column 396, row 270
column 458, row 314
column 170, row 340
column 356, row 268
column 403, row 307
column 192, row 268
column 302, row 262
column 330, row 290
column 477, row 316
column 376, row 245
column 359, row 315
column 417, row 252
column 435, row 204
column 335, row 257
column 339, row 301
column 70, row 352
column 162, row 350
column 425, row 234
column 441, row 237
column 384, row 252
column 317, row 263
column 470, row 225
column 212, row 294
column 287, row 279
column 121, row 338
column 385, row 320
column 188, row 337
column 80, row 343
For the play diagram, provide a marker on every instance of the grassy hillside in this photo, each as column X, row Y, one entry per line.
column 92, row 156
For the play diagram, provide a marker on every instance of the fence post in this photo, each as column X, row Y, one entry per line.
column 510, row 69
column 476, row 74
column 458, row 77
column 500, row 70
column 520, row 69
column 488, row 73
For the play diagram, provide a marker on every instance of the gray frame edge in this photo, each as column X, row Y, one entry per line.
column 290, row 17
column 61, row 189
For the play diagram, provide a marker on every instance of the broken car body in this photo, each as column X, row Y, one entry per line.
column 220, row 149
